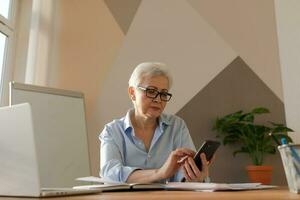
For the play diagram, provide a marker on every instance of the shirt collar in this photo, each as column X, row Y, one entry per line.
column 127, row 121
column 163, row 120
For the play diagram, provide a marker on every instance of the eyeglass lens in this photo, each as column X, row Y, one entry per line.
column 153, row 93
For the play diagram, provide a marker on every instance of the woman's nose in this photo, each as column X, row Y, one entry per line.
column 157, row 99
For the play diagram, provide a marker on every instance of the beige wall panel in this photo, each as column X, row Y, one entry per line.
column 123, row 11
column 249, row 26
column 23, row 23
column 288, row 24
column 236, row 88
column 169, row 31
column 87, row 41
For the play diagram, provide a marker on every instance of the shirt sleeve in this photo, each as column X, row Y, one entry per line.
column 111, row 163
column 184, row 140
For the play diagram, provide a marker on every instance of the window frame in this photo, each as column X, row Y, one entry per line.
column 10, row 21
column 7, row 27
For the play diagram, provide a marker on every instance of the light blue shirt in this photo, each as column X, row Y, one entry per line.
column 122, row 152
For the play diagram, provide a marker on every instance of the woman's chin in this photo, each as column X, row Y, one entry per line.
column 154, row 114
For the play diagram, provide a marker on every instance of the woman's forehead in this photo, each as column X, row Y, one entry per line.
column 161, row 82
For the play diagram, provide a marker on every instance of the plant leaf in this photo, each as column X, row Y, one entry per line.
column 239, row 127
column 260, row 110
column 270, row 149
column 229, row 139
column 281, row 129
column 249, row 117
column 279, row 136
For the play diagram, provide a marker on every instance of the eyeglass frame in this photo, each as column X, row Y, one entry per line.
column 158, row 93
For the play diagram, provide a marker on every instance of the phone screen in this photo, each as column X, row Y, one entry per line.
column 209, row 147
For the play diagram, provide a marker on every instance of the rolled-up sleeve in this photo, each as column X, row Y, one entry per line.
column 111, row 163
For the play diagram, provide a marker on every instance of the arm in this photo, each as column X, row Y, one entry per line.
column 169, row 168
column 189, row 169
column 112, row 166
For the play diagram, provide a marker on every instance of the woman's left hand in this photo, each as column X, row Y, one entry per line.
column 192, row 172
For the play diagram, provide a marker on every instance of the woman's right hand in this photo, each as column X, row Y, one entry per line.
column 174, row 162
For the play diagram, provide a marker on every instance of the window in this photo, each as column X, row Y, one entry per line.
column 5, row 7
column 6, row 36
column 2, row 52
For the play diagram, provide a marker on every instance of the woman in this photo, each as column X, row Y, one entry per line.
column 147, row 145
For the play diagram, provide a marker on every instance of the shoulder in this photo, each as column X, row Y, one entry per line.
column 115, row 123
column 113, row 129
column 172, row 119
column 179, row 132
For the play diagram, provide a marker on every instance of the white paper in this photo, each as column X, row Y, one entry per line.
column 98, row 180
column 195, row 186
column 215, row 186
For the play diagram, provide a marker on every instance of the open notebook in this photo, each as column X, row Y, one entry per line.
column 107, row 185
column 104, row 185
column 20, row 168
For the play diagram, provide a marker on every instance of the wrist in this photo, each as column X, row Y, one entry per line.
column 207, row 179
column 158, row 175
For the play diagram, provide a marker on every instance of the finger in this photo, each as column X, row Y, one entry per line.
column 184, row 152
column 179, row 156
column 182, row 159
column 203, row 158
column 187, row 177
column 189, row 169
column 195, row 169
column 204, row 164
column 212, row 159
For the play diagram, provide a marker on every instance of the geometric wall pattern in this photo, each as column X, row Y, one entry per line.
column 191, row 50
column 250, row 29
column 123, row 11
column 237, row 87
column 288, row 29
column 211, row 70
column 223, row 56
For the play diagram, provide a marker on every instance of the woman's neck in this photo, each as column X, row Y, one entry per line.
column 142, row 122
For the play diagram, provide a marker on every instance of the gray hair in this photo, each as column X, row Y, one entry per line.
column 148, row 69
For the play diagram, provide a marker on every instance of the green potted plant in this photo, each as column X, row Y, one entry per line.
column 254, row 139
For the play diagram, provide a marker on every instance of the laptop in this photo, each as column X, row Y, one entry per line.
column 20, row 171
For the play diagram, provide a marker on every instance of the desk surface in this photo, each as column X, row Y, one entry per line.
column 271, row 194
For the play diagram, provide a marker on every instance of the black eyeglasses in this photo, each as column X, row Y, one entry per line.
column 153, row 93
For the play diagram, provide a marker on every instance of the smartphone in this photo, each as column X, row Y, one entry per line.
column 209, row 147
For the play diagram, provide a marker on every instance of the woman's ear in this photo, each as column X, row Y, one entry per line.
column 131, row 93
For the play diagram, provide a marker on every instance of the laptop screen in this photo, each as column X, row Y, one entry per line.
column 59, row 130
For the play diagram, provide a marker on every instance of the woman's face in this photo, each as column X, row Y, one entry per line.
column 145, row 106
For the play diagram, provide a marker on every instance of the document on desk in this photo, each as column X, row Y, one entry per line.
column 94, row 179
column 119, row 187
column 107, row 185
column 215, row 186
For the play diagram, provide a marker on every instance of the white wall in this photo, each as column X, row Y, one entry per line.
column 175, row 35
column 68, row 44
column 85, row 42
column 87, row 51
column 288, row 26
column 249, row 26
column 23, row 24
